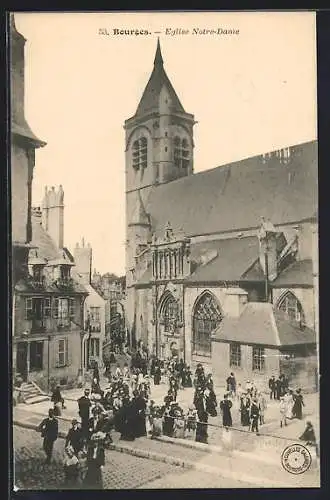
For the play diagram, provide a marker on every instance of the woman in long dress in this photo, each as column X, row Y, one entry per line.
column 95, row 463
column 225, row 407
column 298, row 404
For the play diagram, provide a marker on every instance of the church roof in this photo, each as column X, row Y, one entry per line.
column 235, row 196
column 259, row 323
column 299, row 273
column 232, row 258
column 150, row 97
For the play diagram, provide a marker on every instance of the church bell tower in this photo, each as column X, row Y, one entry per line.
column 158, row 149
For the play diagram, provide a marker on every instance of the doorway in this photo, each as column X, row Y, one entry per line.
column 21, row 360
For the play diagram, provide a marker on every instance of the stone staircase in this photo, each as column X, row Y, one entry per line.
column 30, row 393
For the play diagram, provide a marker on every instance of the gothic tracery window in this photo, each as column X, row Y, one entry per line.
column 181, row 153
column 140, row 153
column 291, row 306
column 170, row 314
column 206, row 318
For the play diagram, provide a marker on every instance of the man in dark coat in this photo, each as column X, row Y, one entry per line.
column 272, row 387
column 49, row 431
column 225, row 407
column 231, row 384
column 84, row 404
column 278, row 388
column 74, row 437
column 255, row 414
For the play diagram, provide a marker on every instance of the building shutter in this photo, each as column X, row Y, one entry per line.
column 55, row 308
column 68, row 350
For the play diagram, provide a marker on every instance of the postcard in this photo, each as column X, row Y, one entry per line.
column 164, row 214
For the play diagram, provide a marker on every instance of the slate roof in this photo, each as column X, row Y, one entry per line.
column 224, row 260
column 150, row 97
column 44, row 243
column 47, row 252
column 260, row 324
column 299, row 273
column 235, row 196
column 234, row 256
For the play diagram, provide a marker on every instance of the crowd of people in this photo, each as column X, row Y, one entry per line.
column 126, row 406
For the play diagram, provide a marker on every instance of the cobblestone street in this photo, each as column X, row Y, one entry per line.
column 121, row 471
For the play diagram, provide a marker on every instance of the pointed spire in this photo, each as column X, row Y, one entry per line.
column 158, row 57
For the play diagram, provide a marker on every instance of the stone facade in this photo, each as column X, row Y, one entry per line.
column 181, row 283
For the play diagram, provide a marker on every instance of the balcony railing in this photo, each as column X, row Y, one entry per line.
column 64, row 283
column 38, row 326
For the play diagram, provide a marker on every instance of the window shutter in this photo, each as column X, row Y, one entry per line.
column 55, row 308
column 28, row 308
column 67, row 352
column 72, row 308
column 47, row 308
column 56, row 358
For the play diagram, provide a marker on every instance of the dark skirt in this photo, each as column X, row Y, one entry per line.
column 245, row 417
column 93, row 479
column 201, row 432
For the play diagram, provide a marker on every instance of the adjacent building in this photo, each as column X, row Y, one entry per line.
column 49, row 334
column 22, row 158
column 112, row 289
column 94, row 307
column 222, row 264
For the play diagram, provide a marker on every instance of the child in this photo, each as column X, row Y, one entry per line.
column 157, row 422
column 178, row 429
column 283, row 411
column 191, row 421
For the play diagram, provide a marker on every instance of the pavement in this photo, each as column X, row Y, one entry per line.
column 238, row 457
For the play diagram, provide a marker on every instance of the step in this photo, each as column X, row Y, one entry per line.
column 36, row 399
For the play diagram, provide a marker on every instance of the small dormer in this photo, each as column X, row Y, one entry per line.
column 36, row 268
column 62, row 270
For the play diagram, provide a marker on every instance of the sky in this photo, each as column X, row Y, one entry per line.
column 250, row 93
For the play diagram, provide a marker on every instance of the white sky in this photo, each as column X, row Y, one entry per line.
column 250, row 93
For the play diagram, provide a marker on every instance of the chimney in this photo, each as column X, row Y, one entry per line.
column 83, row 262
column 53, row 214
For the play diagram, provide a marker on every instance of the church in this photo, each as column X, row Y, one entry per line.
column 221, row 265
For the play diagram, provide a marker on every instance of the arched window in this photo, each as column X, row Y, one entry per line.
column 140, row 153
column 291, row 306
column 181, row 153
column 206, row 318
column 170, row 314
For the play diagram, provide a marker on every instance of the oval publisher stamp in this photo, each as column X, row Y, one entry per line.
column 296, row 459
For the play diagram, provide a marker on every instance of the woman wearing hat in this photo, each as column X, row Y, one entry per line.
column 95, row 462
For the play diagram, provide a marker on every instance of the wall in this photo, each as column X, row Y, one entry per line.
column 19, row 193
column 69, row 372
column 221, row 365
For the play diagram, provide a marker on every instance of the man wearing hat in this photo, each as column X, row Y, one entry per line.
column 84, row 404
column 74, row 437
column 49, row 431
